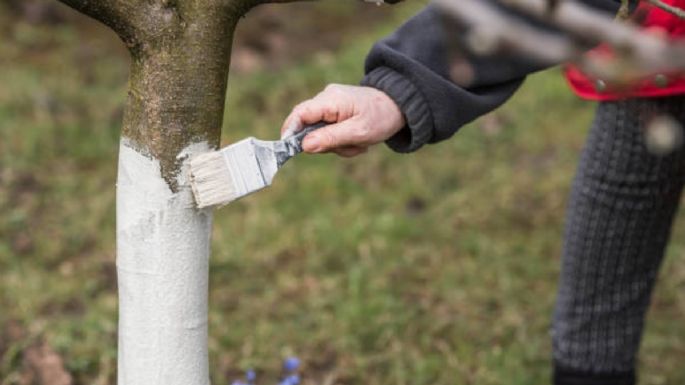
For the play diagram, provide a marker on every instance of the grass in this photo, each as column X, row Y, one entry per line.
column 438, row 267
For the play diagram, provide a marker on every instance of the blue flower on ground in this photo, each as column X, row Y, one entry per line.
column 290, row 380
column 250, row 376
column 291, row 364
column 293, row 379
column 290, row 367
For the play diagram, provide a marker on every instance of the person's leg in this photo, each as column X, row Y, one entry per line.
column 618, row 223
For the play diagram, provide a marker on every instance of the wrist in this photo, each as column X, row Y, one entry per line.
column 416, row 123
column 393, row 118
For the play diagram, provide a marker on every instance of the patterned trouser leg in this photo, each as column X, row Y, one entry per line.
column 619, row 220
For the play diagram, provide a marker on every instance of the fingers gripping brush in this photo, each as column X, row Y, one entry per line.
column 220, row 177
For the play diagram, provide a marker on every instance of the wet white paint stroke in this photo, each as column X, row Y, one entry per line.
column 163, row 245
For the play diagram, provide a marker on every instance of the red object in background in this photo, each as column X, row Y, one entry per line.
column 656, row 85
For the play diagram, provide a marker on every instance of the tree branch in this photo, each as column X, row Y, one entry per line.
column 116, row 14
column 668, row 8
column 638, row 53
column 624, row 10
column 254, row 3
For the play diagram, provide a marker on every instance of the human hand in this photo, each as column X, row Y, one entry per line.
column 360, row 117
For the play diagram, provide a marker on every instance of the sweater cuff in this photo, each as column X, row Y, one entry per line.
column 419, row 128
column 564, row 376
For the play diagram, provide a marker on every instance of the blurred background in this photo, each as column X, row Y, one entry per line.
column 438, row 267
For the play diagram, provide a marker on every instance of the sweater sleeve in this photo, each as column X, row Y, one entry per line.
column 412, row 67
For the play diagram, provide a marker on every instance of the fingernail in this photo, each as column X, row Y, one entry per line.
column 311, row 143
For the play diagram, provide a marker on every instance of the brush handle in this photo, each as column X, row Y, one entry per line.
column 292, row 145
column 296, row 140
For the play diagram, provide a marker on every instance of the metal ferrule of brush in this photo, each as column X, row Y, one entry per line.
column 292, row 145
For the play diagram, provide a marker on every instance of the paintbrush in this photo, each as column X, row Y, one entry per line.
column 220, row 177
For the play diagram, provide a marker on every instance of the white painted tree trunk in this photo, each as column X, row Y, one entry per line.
column 163, row 245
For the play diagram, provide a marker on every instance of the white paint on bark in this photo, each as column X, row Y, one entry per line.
column 163, row 245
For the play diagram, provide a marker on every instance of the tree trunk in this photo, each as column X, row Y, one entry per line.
column 174, row 111
column 180, row 51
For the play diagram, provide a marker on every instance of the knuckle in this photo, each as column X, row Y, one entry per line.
column 330, row 113
column 330, row 139
column 300, row 108
column 308, row 111
column 363, row 131
column 323, row 94
column 336, row 91
column 332, row 87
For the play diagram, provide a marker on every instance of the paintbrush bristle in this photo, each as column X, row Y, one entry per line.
column 220, row 177
column 212, row 181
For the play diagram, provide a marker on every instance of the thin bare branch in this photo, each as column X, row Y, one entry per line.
column 376, row 2
column 624, row 10
column 491, row 30
column 668, row 8
column 117, row 14
column 638, row 53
